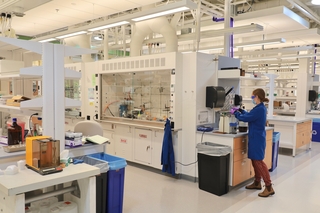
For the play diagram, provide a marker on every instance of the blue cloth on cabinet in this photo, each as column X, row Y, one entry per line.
column 167, row 154
column 256, row 119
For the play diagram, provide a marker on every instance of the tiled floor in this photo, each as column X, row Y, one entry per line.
column 296, row 183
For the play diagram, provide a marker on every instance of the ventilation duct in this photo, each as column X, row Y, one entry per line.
column 82, row 41
column 159, row 25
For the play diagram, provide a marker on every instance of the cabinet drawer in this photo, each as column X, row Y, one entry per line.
column 241, row 171
column 306, row 126
column 269, row 135
column 303, row 138
column 240, row 154
column 240, row 143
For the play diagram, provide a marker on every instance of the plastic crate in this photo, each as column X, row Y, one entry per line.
column 115, row 181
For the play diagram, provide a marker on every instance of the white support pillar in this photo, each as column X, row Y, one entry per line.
column 303, row 87
column 227, row 15
column 48, row 90
column 106, row 45
column 59, row 96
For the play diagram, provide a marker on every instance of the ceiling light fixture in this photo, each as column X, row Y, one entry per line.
column 315, row 2
column 72, row 34
column 46, row 40
column 167, row 9
column 180, row 9
column 109, row 26
column 263, row 42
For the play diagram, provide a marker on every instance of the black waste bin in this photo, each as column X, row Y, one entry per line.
column 213, row 167
column 101, row 181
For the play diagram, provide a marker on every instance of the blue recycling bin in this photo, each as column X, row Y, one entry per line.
column 275, row 150
column 115, row 181
column 315, row 130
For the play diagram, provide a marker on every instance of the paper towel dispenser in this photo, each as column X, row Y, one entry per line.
column 313, row 95
column 237, row 100
column 215, row 96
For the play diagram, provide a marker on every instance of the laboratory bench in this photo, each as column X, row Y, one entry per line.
column 240, row 168
column 14, row 187
column 7, row 159
column 295, row 131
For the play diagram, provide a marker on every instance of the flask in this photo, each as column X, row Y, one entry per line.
column 21, row 123
column 14, row 133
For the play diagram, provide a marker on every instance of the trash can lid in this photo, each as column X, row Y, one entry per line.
column 213, row 149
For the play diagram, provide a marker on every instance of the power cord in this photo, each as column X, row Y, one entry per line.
column 30, row 122
column 196, row 160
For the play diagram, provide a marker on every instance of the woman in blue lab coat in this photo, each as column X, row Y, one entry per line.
column 256, row 119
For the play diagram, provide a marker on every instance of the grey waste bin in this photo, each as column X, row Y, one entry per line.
column 101, row 181
column 213, row 167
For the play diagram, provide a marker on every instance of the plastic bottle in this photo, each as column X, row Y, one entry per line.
column 14, row 133
column 40, row 129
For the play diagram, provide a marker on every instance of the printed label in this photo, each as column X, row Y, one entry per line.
column 142, row 136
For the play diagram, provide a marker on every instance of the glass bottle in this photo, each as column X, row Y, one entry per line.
column 14, row 133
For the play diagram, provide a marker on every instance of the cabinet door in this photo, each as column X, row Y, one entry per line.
column 241, row 171
column 157, row 139
column 110, row 145
column 123, row 141
column 142, row 145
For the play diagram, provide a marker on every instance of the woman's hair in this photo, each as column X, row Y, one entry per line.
column 261, row 94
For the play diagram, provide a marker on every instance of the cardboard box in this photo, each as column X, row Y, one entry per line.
column 16, row 100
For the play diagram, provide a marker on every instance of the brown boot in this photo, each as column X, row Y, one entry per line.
column 267, row 191
column 254, row 185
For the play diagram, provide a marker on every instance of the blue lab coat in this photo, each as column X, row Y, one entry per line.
column 256, row 119
column 167, row 155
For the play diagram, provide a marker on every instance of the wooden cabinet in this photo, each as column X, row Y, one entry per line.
column 242, row 167
column 268, row 153
column 241, row 163
column 303, row 134
column 295, row 132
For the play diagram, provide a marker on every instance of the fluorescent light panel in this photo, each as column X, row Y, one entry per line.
column 109, row 26
column 263, row 42
column 46, row 40
column 72, row 34
column 180, row 9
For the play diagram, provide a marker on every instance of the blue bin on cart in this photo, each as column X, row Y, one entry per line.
column 316, row 130
column 115, row 181
column 275, row 150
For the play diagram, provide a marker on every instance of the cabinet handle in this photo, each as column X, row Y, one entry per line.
column 243, row 152
column 243, row 162
column 244, row 140
column 148, row 147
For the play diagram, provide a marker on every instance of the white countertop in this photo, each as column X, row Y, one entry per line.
column 4, row 154
column 29, row 180
column 135, row 122
column 288, row 119
column 239, row 134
